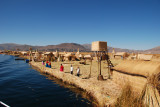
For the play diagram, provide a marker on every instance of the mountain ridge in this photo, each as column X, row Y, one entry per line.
column 71, row 47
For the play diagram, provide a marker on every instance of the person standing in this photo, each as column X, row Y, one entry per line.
column 78, row 71
column 71, row 69
column 49, row 64
column 61, row 68
column 46, row 63
column 42, row 62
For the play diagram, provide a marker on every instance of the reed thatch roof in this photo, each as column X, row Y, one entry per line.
column 68, row 55
column 80, row 56
column 113, row 51
column 120, row 54
column 87, row 56
column 23, row 52
column 47, row 53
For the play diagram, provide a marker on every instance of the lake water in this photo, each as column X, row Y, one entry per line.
column 22, row 86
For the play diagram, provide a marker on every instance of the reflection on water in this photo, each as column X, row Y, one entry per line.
column 79, row 92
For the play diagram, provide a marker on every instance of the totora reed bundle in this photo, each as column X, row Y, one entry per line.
column 143, row 77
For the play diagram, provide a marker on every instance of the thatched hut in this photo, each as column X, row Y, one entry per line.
column 60, row 58
column 56, row 54
column 87, row 57
column 24, row 53
column 77, row 55
column 49, row 56
column 81, row 57
column 36, row 55
column 113, row 51
column 121, row 55
column 69, row 57
column 145, row 57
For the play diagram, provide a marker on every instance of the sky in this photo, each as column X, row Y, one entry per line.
column 129, row 24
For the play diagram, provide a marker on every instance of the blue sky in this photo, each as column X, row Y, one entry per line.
column 131, row 24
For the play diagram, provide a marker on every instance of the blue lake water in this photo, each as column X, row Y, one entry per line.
column 22, row 86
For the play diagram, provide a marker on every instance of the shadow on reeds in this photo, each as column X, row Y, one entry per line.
column 129, row 99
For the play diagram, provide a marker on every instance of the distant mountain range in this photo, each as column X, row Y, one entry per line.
column 71, row 47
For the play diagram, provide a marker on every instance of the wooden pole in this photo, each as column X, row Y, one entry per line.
column 90, row 69
column 98, row 62
column 100, row 65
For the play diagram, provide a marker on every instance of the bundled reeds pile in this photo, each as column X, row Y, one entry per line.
column 143, row 77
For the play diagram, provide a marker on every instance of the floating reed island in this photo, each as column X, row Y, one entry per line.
column 105, row 76
column 103, row 92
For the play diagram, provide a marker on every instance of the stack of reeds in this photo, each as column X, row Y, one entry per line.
column 143, row 77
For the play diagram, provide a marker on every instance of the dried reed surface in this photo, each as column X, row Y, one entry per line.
column 135, row 67
column 104, row 92
column 128, row 98
column 156, row 57
column 137, row 82
column 146, row 84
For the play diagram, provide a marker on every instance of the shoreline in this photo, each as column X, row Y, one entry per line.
column 99, row 91
column 67, row 85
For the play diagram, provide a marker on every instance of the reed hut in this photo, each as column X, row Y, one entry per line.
column 60, row 58
column 132, row 56
column 87, row 57
column 24, row 53
column 69, row 57
column 121, row 55
column 81, row 57
column 49, row 56
column 42, row 56
column 36, row 55
column 145, row 57
column 56, row 54
column 77, row 55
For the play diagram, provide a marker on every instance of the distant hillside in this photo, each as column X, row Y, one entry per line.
column 155, row 50
column 87, row 46
column 71, row 47
column 60, row 47
column 64, row 47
